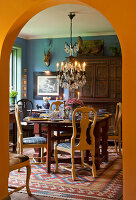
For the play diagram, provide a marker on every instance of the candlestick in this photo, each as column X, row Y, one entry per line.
column 56, row 98
column 57, row 66
column 78, row 93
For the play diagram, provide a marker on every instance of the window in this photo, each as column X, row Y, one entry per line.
column 16, row 70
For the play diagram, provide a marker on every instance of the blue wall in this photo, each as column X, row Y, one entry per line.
column 33, row 54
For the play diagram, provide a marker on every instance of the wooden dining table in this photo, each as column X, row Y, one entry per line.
column 100, row 132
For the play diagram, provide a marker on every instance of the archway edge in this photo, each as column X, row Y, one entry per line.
column 121, row 15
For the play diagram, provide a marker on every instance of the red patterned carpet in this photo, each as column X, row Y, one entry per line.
column 106, row 186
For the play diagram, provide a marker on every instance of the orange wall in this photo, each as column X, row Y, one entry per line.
column 122, row 15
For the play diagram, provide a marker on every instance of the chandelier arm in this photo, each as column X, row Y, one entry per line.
column 67, row 44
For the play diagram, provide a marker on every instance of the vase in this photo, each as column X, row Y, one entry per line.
column 46, row 105
column 12, row 100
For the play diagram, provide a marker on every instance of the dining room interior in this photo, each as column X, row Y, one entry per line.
column 83, row 70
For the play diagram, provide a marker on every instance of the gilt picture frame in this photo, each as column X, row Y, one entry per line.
column 46, row 84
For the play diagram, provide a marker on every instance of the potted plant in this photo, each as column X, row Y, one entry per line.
column 115, row 50
column 12, row 94
column 46, row 105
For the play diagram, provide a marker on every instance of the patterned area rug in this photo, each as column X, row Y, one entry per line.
column 106, row 186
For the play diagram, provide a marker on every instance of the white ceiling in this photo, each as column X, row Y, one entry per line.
column 55, row 23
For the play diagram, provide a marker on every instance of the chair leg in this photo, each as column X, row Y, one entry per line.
column 120, row 148
column 28, row 167
column 56, row 158
column 93, row 166
column 82, row 159
column 73, row 167
column 42, row 151
column 116, row 149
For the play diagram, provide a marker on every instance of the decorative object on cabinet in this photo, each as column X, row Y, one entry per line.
column 25, row 83
column 115, row 49
column 71, row 73
column 46, row 84
column 90, row 47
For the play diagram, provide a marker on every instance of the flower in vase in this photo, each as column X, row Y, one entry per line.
column 73, row 103
column 47, row 99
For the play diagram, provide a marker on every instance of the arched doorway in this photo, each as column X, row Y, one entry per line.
column 11, row 32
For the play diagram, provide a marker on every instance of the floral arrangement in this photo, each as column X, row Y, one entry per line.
column 73, row 103
column 13, row 93
column 47, row 99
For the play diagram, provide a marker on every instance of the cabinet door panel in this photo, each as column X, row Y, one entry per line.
column 87, row 90
column 101, row 81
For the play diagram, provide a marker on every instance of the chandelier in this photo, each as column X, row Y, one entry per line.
column 71, row 73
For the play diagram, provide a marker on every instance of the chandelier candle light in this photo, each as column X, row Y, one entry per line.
column 71, row 73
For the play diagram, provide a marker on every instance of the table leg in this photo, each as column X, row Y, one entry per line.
column 97, row 146
column 104, row 141
column 48, row 159
column 37, row 128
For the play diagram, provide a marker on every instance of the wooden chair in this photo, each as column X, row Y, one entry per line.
column 29, row 142
column 67, row 131
column 17, row 161
column 24, row 106
column 80, row 143
column 57, row 104
column 115, row 133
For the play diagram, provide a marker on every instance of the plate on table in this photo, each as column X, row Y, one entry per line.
column 38, row 118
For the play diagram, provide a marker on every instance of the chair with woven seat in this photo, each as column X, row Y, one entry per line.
column 29, row 142
column 81, row 143
column 114, row 134
column 17, row 161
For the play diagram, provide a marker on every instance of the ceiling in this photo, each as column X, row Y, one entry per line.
column 55, row 23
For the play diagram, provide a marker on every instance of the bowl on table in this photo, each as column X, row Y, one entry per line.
column 35, row 115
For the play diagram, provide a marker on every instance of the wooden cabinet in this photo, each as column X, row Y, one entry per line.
column 103, row 80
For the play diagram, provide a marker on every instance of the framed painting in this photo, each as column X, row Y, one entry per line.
column 91, row 48
column 46, row 84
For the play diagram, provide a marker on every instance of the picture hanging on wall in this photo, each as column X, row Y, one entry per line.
column 91, row 47
column 46, row 84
